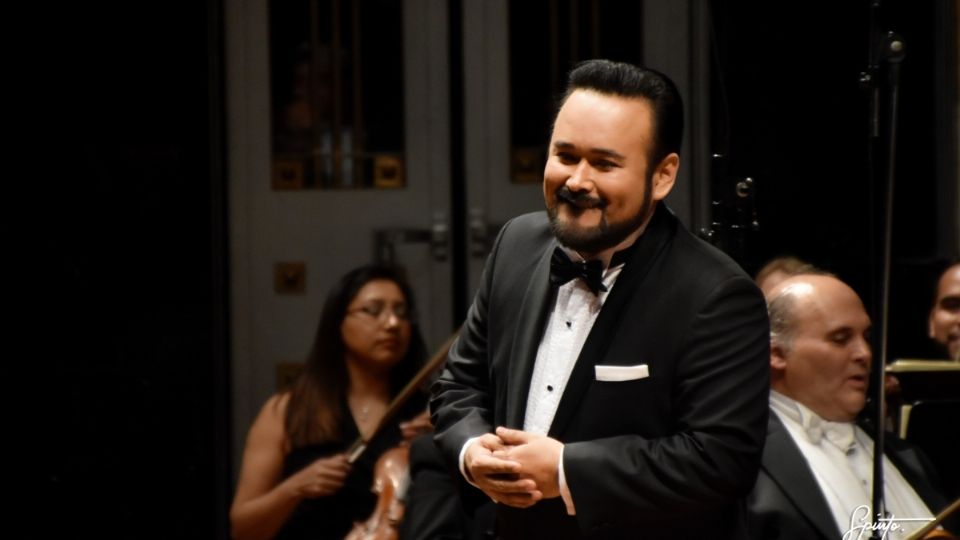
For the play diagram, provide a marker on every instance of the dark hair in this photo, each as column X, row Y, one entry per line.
column 942, row 266
column 315, row 410
column 628, row 80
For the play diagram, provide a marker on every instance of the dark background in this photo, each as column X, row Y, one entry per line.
column 789, row 111
column 132, row 434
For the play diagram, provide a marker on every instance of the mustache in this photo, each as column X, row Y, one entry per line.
column 580, row 198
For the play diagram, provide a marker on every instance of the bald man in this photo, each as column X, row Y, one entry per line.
column 778, row 269
column 816, row 474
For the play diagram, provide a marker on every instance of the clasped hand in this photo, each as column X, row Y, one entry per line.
column 514, row 467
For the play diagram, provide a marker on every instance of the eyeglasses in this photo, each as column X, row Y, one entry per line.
column 381, row 311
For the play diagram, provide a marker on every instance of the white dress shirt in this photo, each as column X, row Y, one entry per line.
column 570, row 322
column 841, row 457
column 575, row 310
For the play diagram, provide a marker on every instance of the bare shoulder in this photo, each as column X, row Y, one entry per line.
column 277, row 405
column 264, row 452
column 269, row 423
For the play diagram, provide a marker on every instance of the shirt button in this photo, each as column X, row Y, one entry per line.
column 549, row 388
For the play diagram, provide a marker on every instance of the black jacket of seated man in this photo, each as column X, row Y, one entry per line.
column 787, row 503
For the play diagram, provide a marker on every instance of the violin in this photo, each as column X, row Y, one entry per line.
column 930, row 532
column 939, row 534
column 391, row 474
column 391, row 479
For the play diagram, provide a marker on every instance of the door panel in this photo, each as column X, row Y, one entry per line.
column 329, row 230
column 491, row 197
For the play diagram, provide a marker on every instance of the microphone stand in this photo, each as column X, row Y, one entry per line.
column 890, row 48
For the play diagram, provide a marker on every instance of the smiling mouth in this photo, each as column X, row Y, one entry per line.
column 580, row 201
column 577, row 208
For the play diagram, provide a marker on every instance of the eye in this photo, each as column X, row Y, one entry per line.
column 374, row 310
column 840, row 338
column 603, row 164
column 567, row 158
column 401, row 311
column 950, row 303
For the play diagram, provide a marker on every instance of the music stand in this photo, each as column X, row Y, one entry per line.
column 930, row 412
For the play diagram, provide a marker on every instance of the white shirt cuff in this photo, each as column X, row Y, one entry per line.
column 564, row 488
column 463, row 453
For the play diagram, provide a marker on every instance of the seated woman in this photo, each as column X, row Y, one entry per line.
column 295, row 480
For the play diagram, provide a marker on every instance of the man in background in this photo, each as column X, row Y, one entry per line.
column 817, row 470
column 780, row 268
column 944, row 321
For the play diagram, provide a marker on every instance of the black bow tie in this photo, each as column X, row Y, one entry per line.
column 562, row 270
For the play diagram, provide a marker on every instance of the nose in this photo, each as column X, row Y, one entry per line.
column 579, row 179
column 392, row 320
column 861, row 352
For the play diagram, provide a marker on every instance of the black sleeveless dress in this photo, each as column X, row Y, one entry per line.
column 332, row 517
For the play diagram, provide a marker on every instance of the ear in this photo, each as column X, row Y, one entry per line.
column 778, row 357
column 930, row 329
column 665, row 176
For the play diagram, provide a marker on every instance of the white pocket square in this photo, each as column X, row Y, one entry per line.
column 621, row 373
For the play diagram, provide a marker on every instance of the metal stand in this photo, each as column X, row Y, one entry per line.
column 890, row 48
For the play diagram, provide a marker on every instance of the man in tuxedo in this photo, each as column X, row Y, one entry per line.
column 817, row 471
column 610, row 380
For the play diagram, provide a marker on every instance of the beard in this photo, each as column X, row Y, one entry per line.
column 593, row 240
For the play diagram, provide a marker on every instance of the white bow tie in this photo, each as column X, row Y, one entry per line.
column 839, row 434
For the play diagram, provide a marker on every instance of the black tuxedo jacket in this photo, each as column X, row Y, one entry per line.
column 666, row 456
column 787, row 504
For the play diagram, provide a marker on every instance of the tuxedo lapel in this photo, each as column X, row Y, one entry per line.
column 534, row 308
column 604, row 330
column 786, row 465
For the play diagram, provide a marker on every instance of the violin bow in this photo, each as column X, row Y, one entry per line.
column 922, row 533
column 359, row 446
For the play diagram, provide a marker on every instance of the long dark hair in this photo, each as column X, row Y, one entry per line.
column 315, row 411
